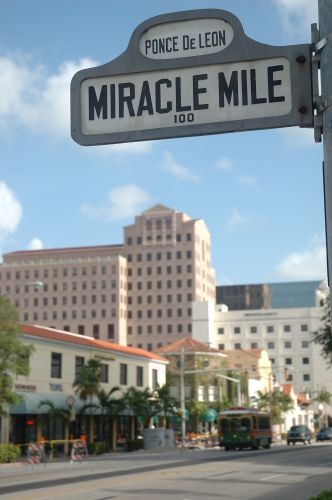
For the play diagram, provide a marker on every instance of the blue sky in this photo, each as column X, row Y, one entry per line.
column 260, row 193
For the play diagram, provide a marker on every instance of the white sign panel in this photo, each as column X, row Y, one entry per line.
column 195, row 95
column 196, row 37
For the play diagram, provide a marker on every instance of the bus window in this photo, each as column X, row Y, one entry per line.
column 254, row 423
column 264, row 423
column 245, row 423
column 224, row 424
column 234, row 424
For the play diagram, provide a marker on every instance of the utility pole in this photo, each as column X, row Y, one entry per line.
column 325, row 34
column 182, row 396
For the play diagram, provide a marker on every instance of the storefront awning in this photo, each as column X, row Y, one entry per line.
column 29, row 405
column 209, row 415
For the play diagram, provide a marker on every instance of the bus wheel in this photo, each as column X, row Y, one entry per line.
column 267, row 446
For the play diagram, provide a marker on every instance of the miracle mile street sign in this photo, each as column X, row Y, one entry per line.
column 191, row 73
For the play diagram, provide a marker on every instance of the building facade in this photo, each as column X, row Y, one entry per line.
column 285, row 333
column 139, row 292
column 56, row 362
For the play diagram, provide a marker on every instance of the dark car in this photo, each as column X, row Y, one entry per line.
column 299, row 434
column 325, row 434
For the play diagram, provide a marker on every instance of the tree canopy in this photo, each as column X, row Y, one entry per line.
column 275, row 402
column 323, row 335
column 14, row 354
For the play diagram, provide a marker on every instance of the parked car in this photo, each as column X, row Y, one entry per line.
column 325, row 434
column 299, row 434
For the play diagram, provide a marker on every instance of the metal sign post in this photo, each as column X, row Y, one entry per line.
column 325, row 32
column 191, row 73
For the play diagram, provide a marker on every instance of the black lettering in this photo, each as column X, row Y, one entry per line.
column 97, row 105
column 145, row 101
column 222, row 37
column 244, row 86
column 147, row 46
column 229, row 90
column 185, row 42
column 169, row 44
column 253, row 86
column 159, row 108
column 112, row 99
column 178, row 96
column 197, row 90
column 126, row 98
column 272, row 83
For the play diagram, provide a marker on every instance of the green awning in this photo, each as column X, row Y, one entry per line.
column 29, row 405
column 209, row 415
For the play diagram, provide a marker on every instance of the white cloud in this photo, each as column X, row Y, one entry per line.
column 248, row 180
column 308, row 264
column 10, row 210
column 33, row 98
column 35, row 244
column 297, row 16
column 236, row 218
column 224, row 164
column 122, row 202
column 296, row 137
column 179, row 171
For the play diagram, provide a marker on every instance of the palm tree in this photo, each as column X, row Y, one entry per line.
column 167, row 404
column 87, row 385
column 110, row 406
column 275, row 402
column 324, row 398
column 53, row 414
column 140, row 403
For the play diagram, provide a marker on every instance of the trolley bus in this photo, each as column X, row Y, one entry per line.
column 244, row 428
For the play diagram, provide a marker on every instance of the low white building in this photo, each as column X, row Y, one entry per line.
column 285, row 333
column 56, row 362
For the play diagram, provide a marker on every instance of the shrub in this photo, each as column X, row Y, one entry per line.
column 135, row 444
column 324, row 495
column 9, row 453
column 97, row 448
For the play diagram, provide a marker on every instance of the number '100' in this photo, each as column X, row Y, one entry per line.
column 184, row 117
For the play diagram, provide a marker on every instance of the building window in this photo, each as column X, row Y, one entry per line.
column 270, row 345
column 237, row 329
column 253, row 329
column 123, row 374
column 79, row 363
column 81, row 329
column 95, row 331
column 237, row 346
column 56, row 364
column 306, row 377
column 154, row 378
column 110, row 331
column 287, row 344
column 200, row 393
column 305, row 344
column 304, row 328
column 288, row 361
column 287, row 328
column 305, row 361
column 221, row 347
column 270, row 329
column 212, row 393
column 104, row 373
column 254, row 345
column 139, row 376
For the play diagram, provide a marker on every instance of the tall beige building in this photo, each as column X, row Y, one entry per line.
column 137, row 293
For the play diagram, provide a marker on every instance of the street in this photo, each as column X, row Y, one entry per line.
column 282, row 472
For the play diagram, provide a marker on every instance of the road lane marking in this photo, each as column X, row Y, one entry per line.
column 271, row 477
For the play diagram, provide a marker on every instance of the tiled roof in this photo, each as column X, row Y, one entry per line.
column 188, row 344
column 74, row 338
column 287, row 389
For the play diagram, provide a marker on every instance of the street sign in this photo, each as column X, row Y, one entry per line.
column 191, row 73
